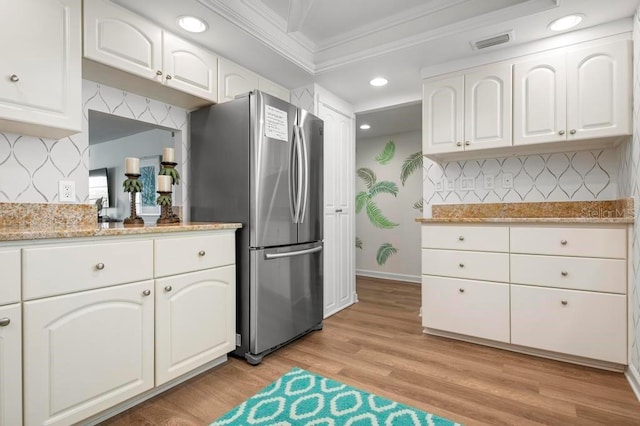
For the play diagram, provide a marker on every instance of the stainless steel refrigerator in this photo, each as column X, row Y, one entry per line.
column 258, row 160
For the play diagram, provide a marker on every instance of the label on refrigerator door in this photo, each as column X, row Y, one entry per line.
column 275, row 123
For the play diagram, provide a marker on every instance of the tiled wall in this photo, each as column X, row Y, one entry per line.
column 31, row 167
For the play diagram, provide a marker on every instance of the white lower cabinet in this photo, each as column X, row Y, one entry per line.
column 87, row 351
column 10, row 365
column 195, row 320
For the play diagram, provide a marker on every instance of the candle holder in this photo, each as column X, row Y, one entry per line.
column 169, row 169
column 166, row 213
column 133, row 185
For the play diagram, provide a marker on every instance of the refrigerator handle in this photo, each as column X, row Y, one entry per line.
column 305, row 184
column 300, row 171
column 293, row 202
column 292, row 253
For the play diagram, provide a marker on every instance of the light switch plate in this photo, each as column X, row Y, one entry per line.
column 488, row 182
column 450, row 184
column 439, row 185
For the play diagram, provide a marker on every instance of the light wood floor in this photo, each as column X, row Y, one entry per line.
column 377, row 345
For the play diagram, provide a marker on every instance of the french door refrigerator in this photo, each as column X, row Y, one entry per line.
column 258, row 160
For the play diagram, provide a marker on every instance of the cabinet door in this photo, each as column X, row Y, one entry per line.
column 273, row 89
column 10, row 281
column 189, row 68
column 119, row 38
column 443, row 115
column 539, row 100
column 10, row 365
column 487, row 106
column 234, row 80
column 195, row 320
column 85, row 352
column 41, row 65
column 599, row 91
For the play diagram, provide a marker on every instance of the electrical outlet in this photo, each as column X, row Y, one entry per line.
column 449, row 184
column 488, row 182
column 507, row 180
column 66, row 191
column 467, row 184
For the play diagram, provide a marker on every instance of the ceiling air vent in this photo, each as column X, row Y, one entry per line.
column 492, row 41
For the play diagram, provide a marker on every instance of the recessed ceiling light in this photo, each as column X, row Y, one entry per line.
column 565, row 22
column 365, row 127
column 192, row 24
column 378, row 81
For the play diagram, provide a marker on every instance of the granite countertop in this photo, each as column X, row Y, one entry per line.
column 36, row 221
column 582, row 212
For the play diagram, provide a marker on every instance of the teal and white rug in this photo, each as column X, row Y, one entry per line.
column 301, row 398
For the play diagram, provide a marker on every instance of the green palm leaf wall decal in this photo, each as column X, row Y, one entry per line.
column 384, row 187
column 358, row 243
column 377, row 218
column 367, row 175
column 410, row 165
column 419, row 205
column 385, row 251
column 361, row 200
column 387, row 153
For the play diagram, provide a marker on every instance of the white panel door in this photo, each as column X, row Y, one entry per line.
column 86, row 352
column 443, row 115
column 41, row 62
column 117, row 37
column 189, row 68
column 195, row 320
column 487, row 106
column 599, row 91
column 540, row 100
column 10, row 365
column 234, row 80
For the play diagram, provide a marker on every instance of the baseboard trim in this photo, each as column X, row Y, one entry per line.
column 633, row 377
column 123, row 406
column 389, row 276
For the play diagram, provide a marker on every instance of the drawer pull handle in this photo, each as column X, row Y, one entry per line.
column 563, row 242
column 461, row 265
column 4, row 322
column 564, row 273
column 14, row 78
column 100, row 266
column 168, row 288
column 461, row 238
column 461, row 290
column 564, row 303
column 146, row 292
column 202, row 253
column 561, row 132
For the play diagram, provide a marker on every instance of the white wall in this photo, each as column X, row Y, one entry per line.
column 405, row 237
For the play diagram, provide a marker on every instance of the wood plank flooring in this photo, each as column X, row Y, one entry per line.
column 377, row 345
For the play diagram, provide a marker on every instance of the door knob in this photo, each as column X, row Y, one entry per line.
column 461, row 265
column 467, row 143
column 4, row 322
column 564, row 273
column 461, row 238
column 169, row 77
column 100, row 266
column 146, row 292
column 461, row 290
column 202, row 253
column 168, row 288
column 564, row 303
column 14, row 78
column 458, row 143
column 572, row 131
column 563, row 242
column 158, row 72
column 561, row 132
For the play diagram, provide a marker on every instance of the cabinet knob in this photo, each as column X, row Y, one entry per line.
column 100, row 266
column 338, row 210
column 458, row 143
column 158, row 72
column 564, row 273
column 168, row 288
column 572, row 131
column 461, row 265
column 563, row 242
column 168, row 77
column 461, row 238
column 146, row 292
column 467, row 143
column 4, row 322
column 461, row 290
column 14, row 78
column 202, row 253
column 564, row 303
column 561, row 132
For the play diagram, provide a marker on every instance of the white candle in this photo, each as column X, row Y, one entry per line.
column 132, row 165
column 164, row 183
column 168, row 155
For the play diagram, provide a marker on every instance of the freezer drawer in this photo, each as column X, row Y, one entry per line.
column 286, row 294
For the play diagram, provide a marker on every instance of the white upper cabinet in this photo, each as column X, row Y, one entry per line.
column 468, row 112
column 40, row 70
column 573, row 94
column 235, row 80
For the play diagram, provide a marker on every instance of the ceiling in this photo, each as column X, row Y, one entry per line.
column 342, row 44
column 390, row 121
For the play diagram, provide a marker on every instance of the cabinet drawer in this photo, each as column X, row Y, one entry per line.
column 52, row 270
column 473, row 308
column 455, row 237
column 10, row 277
column 577, row 273
column 466, row 264
column 187, row 254
column 587, row 324
column 565, row 241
